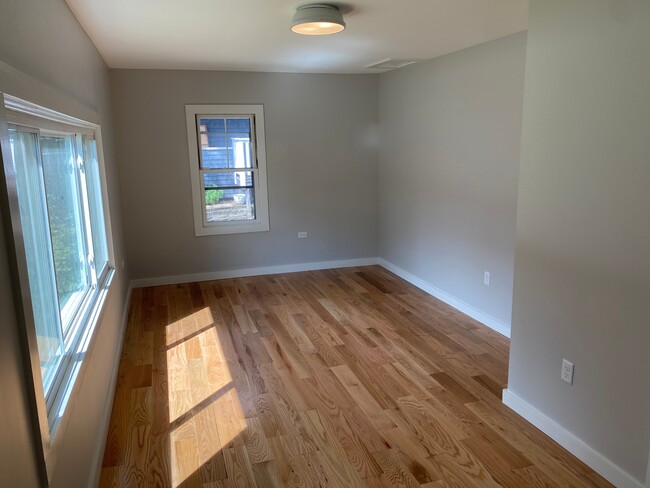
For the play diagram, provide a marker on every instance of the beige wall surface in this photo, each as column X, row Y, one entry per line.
column 321, row 163
column 449, row 161
column 47, row 58
column 582, row 268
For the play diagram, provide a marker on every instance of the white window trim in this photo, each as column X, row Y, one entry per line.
column 19, row 112
column 261, row 222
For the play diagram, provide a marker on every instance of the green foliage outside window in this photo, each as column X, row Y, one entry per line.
column 213, row 196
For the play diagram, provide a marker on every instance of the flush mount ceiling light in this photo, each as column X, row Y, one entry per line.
column 317, row 19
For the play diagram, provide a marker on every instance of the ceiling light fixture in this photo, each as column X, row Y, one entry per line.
column 317, row 19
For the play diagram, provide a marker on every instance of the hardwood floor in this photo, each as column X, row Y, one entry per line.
column 340, row 378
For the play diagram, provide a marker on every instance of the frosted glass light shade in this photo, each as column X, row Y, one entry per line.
column 317, row 19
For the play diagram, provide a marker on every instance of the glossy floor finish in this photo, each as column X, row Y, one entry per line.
column 339, row 378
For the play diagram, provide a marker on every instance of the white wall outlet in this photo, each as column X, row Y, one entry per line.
column 486, row 278
column 567, row 371
column 302, row 235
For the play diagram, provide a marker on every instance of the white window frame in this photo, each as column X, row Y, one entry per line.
column 258, row 144
column 50, row 412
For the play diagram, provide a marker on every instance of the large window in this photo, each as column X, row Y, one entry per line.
column 228, row 168
column 54, row 179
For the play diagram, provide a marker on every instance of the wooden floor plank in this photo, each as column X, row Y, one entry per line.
column 333, row 378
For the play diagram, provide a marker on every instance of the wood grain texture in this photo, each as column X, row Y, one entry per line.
column 333, row 378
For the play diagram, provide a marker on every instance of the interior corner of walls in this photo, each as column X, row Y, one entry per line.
column 482, row 317
column 576, row 446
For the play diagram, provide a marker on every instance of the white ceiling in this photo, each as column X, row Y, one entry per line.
column 254, row 35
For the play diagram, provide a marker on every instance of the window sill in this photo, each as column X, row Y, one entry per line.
column 218, row 229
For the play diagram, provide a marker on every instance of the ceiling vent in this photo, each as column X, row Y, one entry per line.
column 388, row 64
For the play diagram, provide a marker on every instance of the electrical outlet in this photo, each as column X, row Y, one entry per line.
column 486, row 278
column 302, row 235
column 567, row 371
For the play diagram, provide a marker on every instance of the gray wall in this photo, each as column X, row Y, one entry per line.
column 449, row 161
column 582, row 269
column 321, row 159
column 47, row 58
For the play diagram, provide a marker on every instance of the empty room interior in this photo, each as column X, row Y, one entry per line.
column 266, row 243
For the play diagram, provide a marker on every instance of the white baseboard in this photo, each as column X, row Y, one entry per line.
column 599, row 463
column 485, row 319
column 95, row 471
column 242, row 272
column 463, row 307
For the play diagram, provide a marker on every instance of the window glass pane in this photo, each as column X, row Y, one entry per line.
column 95, row 204
column 225, row 143
column 239, row 125
column 66, row 222
column 213, row 124
column 42, row 287
column 239, row 151
column 214, row 151
column 229, row 196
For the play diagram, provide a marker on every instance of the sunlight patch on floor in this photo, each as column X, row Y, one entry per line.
column 186, row 327
column 205, row 412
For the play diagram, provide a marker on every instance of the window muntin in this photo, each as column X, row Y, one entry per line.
column 227, row 160
column 62, row 219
